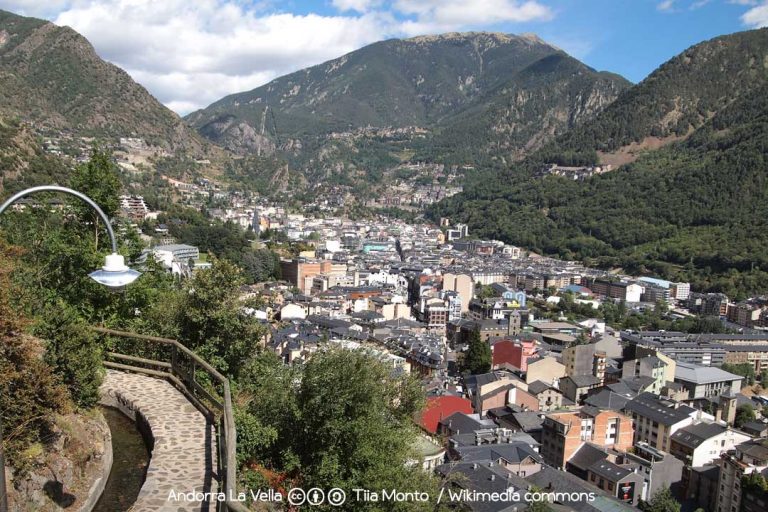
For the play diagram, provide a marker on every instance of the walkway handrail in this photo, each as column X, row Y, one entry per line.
column 181, row 377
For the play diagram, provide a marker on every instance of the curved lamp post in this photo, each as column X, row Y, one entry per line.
column 115, row 273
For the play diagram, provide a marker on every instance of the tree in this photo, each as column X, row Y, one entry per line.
column 744, row 414
column 662, row 501
column 754, row 481
column 746, row 370
column 73, row 351
column 98, row 179
column 30, row 392
column 343, row 420
column 209, row 318
column 478, row 358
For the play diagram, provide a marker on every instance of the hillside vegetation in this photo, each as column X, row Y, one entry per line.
column 51, row 77
column 693, row 210
column 469, row 96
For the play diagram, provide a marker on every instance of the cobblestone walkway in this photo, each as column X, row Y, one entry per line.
column 184, row 455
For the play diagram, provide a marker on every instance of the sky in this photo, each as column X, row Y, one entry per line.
column 190, row 53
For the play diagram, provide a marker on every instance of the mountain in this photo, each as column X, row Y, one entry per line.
column 52, row 78
column 23, row 163
column 678, row 97
column 493, row 92
column 691, row 206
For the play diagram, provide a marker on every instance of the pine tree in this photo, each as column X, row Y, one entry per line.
column 477, row 359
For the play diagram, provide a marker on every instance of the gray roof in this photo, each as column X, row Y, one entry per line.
column 609, row 470
column 586, row 456
column 693, row 435
column 607, row 399
column 710, row 470
column 472, row 381
column 486, row 478
column 639, row 383
column 514, row 452
column 528, row 420
column 754, row 448
column 465, row 424
column 650, row 406
column 754, row 426
column 551, row 480
column 470, row 439
column 583, row 381
column 174, row 247
column 702, row 374
column 621, row 388
column 538, row 386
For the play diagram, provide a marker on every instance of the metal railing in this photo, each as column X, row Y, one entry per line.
column 205, row 387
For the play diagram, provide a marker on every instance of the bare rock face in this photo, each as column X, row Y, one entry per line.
column 238, row 136
column 63, row 473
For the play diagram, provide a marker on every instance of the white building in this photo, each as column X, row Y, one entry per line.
column 702, row 443
column 178, row 253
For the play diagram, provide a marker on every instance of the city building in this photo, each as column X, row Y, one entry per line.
column 649, row 366
column 745, row 458
column 702, row 443
column 178, row 254
column 549, row 397
column 563, row 433
column 656, row 419
column 705, row 381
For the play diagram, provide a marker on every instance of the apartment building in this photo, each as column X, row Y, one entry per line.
column 656, row 419
column 565, row 432
column 745, row 458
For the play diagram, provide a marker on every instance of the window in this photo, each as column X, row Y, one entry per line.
column 610, row 486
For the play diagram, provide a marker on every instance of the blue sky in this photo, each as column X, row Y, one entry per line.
column 189, row 53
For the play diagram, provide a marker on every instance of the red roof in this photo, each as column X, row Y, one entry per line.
column 439, row 407
column 507, row 352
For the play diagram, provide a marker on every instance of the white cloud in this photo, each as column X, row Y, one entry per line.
column 699, row 4
column 36, row 8
column 191, row 53
column 361, row 6
column 444, row 15
column 756, row 17
column 666, row 5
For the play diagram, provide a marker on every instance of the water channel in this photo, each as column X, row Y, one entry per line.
column 129, row 468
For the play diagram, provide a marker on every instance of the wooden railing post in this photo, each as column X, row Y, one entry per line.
column 175, row 372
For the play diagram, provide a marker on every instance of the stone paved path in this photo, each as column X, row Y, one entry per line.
column 184, row 455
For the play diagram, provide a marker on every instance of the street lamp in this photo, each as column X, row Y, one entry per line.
column 115, row 274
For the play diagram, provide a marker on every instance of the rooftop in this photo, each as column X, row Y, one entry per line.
column 697, row 374
column 650, row 406
column 693, row 435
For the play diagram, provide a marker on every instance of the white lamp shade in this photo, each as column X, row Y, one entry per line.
column 115, row 273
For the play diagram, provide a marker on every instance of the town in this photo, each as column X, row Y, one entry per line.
column 570, row 399
column 384, row 256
